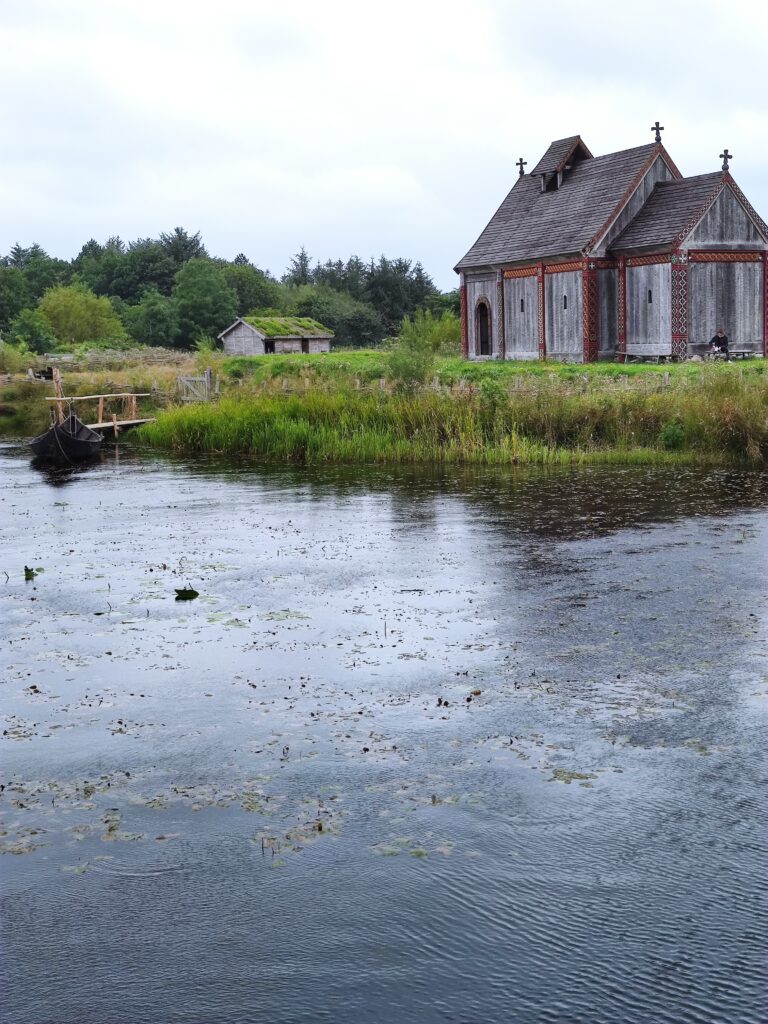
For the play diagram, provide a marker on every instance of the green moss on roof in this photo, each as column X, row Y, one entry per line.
column 287, row 326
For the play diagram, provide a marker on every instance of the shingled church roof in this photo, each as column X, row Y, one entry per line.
column 673, row 205
column 559, row 153
column 531, row 224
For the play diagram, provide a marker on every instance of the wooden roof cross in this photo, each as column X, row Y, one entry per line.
column 725, row 156
column 658, row 128
column 521, row 164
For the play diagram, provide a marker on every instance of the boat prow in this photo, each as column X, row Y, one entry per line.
column 67, row 442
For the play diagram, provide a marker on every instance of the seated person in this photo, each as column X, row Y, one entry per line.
column 719, row 344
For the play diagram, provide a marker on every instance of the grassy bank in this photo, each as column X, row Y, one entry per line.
column 716, row 414
column 24, row 410
column 344, row 407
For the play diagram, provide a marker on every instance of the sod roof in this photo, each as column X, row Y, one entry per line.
column 288, row 327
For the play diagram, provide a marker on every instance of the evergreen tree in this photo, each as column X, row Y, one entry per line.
column 14, row 294
column 300, row 269
column 181, row 246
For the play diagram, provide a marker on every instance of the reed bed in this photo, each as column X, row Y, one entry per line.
column 723, row 418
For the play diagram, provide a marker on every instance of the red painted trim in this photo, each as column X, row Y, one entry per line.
column 679, row 304
column 563, row 268
column 500, row 331
column 621, row 297
column 649, row 261
column 521, row 272
column 730, row 256
column 541, row 316
column 765, row 303
column 463, row 315
column 589, row 316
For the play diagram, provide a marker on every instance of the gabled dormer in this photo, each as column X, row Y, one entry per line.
column 561, row 157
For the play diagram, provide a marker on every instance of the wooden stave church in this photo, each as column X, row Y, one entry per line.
column 615, row 257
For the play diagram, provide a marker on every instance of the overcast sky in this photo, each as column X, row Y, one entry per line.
column 349, row 127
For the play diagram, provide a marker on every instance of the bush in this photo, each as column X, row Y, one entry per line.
column 440, row 334
column 77, row 315
column 32, row 330
column 672, row 435
column 13, row 358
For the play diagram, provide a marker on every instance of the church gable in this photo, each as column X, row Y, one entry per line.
column 703, row 211
column 727, row 223
column 615, row 256
column 662, row 169
column 532, row 223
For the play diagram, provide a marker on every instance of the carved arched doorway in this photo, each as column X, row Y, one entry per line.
column 483, row 328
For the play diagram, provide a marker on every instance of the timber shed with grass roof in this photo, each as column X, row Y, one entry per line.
column 615, row 257
column 264, row 335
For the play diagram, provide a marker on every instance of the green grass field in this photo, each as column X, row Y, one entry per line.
column 330, row 409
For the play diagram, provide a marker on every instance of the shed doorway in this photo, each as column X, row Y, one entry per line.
column 269, row 348
column 305, row 346
column 483, row 317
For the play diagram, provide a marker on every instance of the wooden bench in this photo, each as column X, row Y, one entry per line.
column 734, row 353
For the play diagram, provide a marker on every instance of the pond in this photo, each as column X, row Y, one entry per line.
column 429, row 745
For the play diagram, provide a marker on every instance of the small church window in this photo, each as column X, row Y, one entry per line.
column 522, row 305
column 565, row 302
column 650, row 296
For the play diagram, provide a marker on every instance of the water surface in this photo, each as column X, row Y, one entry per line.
column 430, row 746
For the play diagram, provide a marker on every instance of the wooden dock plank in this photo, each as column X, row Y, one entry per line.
column 120, row 424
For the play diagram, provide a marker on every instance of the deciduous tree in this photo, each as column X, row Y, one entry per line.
column 205, row 302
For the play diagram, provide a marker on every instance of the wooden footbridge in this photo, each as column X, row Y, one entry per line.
column 106, row 420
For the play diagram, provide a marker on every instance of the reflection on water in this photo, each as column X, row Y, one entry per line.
column 430, row 746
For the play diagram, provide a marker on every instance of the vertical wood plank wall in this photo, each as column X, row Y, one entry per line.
column 521, row 324
column 242, row 340
column 481, row 286
column 649, row 324
column 724, row 225
column 563, row 325
column 728, row 295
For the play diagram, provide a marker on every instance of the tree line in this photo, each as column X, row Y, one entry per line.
column 170, row 291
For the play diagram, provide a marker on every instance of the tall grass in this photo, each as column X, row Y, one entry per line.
column 723, row 418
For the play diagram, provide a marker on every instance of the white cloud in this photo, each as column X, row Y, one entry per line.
column 348, row 127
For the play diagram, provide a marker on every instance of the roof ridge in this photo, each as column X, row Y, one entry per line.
column 657, row 150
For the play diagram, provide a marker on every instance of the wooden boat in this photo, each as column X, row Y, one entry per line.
column 67, row 442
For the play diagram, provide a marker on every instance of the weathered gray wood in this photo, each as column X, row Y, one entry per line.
column 607, row 292
column 521, row 324
column 562, row 319
column 649, row 323
column 726, row 225
column 727, row 295
column 657, row 172
column 481, row 287
column 243, row 340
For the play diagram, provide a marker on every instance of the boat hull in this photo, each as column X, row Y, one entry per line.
column 66, row 443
